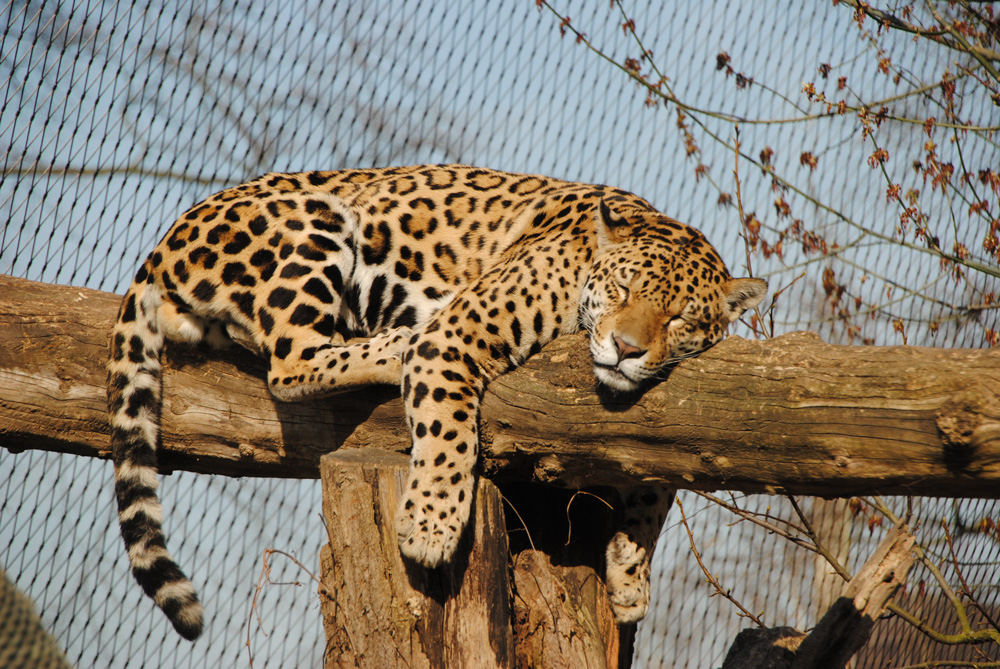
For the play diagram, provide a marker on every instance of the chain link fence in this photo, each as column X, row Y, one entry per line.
column 117, row 116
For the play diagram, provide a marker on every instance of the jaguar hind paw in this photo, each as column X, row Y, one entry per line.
column 627, row 579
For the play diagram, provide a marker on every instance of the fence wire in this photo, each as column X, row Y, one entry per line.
column 117, row 116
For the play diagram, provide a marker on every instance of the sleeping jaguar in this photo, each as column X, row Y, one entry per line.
column 456, row 275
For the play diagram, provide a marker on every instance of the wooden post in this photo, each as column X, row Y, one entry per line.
column 380, row 611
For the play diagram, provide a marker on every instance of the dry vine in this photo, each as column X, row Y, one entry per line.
column 265, row 579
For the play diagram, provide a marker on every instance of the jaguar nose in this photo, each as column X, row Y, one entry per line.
column 625, row 349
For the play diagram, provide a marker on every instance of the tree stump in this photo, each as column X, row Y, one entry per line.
column 546, row 606
column 380, row 611
column 562, row 614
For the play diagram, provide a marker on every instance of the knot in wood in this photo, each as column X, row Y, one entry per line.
column 957, row 422
column 549, row 469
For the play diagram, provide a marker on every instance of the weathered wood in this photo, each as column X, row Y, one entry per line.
column 764, row 648
column 380, row 611
column 848, row 623
column 845, row 627
column 562, row 612
column 791, row 414
column 562, row 617
column 387, row 613
column 217, row 414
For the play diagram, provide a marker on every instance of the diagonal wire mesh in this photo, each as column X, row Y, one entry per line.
column 116, row 116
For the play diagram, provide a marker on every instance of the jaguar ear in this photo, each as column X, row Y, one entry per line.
column 738, row 295
column 612, row 227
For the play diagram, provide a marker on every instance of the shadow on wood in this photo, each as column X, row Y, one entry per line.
column 387, row 612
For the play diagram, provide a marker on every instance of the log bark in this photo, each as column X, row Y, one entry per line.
column 845, row 627
column 792, row 414
column 548, row 608
column 387, row 613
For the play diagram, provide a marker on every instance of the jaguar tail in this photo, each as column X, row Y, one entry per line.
column 134, row 404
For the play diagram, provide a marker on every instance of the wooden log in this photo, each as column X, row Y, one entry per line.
column 792, row 414
column 847, row 624
column 387, row 613
column 218, row 416
column 562, row 612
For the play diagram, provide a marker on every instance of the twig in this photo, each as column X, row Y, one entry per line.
column 758, row 317
column 774, row 299
column 820, row 548
column 524, row 525
column 265, row 577
column 756, row 520
column 967, row 636
column 957, row 43
column 670, row 97
column 966, row 590
column 962, row 638
column 569, row 522
column 710, row 577
column 253, row 605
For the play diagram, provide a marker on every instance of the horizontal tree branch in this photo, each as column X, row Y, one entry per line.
column 791, row 414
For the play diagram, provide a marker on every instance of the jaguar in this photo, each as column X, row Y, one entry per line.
column 454, row 275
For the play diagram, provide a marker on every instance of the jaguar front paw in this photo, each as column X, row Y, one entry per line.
column 627, row 579
column 430, row 522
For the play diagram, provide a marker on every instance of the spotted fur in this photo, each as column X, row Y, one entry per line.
column 457, row 274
